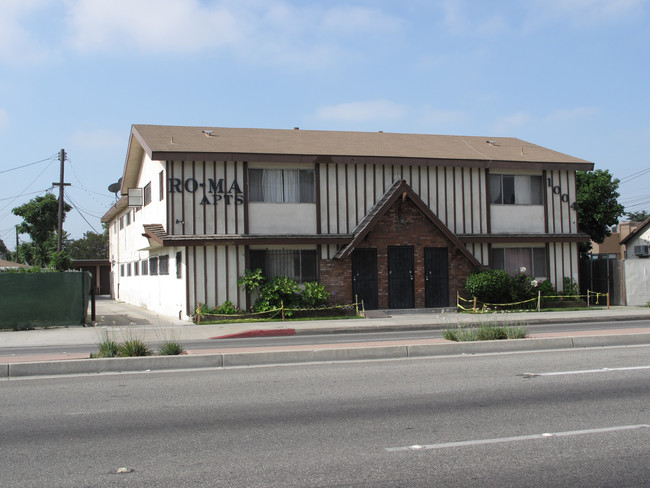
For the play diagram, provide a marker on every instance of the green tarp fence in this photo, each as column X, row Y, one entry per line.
column 43, row 299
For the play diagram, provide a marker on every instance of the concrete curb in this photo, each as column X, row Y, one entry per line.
column 160, row 363
column 508, row 320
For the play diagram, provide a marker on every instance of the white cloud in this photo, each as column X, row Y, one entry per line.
column 149, row 25
column 98, row 139
column 458, row 20
column 373, row 110
column 17, row 44
column 263, row 30
column 4, row 119
column 584, row 12
column 352, row 20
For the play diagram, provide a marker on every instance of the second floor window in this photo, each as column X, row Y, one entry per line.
column 281, row 185
column 516, row 189
column 146, row 194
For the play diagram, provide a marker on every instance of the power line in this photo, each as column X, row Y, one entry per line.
column 25, row 189
column 82, row 185
column 634, row 176
column 51, row 158
column 67, row 198
column 26, row 194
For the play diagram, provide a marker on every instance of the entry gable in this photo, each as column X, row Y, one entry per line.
column 400, row 189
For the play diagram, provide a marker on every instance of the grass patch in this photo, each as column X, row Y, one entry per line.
column 484, row 332
column 134, row 348
column 171, row 348
column 108, row 348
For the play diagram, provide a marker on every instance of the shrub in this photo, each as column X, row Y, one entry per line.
column 171, row 348
column 546, row 288
column 314, row 295
column 133, row 348
column 485, row 332
column 226, row 308
column 107, row 349
column 569, row 287
column 251, row 280
column 490, row 286
column 278, row 291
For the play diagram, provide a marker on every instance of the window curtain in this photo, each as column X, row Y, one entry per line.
column 516, row 258
column 522, row 190
column 495, row 189
column 291, row 186
column 272, row 185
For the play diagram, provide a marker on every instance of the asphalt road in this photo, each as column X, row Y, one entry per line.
column 319, row 339
column 542, row 419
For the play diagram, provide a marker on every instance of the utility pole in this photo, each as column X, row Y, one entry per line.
column 61, row 185
column 17, row 244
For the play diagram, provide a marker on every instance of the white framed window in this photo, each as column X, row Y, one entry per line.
column 516, row 189
column 281, row 185
column 512, row 259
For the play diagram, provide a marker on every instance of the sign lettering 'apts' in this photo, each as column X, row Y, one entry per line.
column 212, row 194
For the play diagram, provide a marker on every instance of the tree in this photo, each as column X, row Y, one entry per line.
column 90, row 246
column 40, row 217
column 638, row 216
column 40, row 220
column 4, row 252
column 598, row 207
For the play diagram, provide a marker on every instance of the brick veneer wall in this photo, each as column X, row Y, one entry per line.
column 402, row 225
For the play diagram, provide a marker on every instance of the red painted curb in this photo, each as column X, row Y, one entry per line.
column 259, row 333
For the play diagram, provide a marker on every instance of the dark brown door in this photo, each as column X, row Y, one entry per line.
column 400, row 277
column 364, row 277
column 436, row 277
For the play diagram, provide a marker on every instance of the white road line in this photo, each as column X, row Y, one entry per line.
column 500, row 440
column 587, row 371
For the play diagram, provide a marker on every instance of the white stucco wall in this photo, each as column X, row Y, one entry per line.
column 164, row 294
column 282, row 218
column 637, row 282
column 517, row 219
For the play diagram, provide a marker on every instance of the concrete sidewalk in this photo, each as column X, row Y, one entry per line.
column 120, row 320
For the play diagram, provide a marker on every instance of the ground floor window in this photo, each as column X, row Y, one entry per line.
column 153, row 266
column 297, row 264
column 512, row 259
column 163, row 265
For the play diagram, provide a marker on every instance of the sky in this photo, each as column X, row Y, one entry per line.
column 570, row 75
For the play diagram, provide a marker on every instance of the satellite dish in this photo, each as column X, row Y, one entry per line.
column 115, row 187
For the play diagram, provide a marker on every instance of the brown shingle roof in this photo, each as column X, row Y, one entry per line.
column 163, row 142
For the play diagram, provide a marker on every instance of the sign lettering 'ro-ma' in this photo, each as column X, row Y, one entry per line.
column 213, row 192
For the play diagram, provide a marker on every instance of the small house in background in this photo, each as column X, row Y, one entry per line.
column 4, row 265
column 612, row 247
column 395, row 220
column 637, row 264
column 100, row 269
